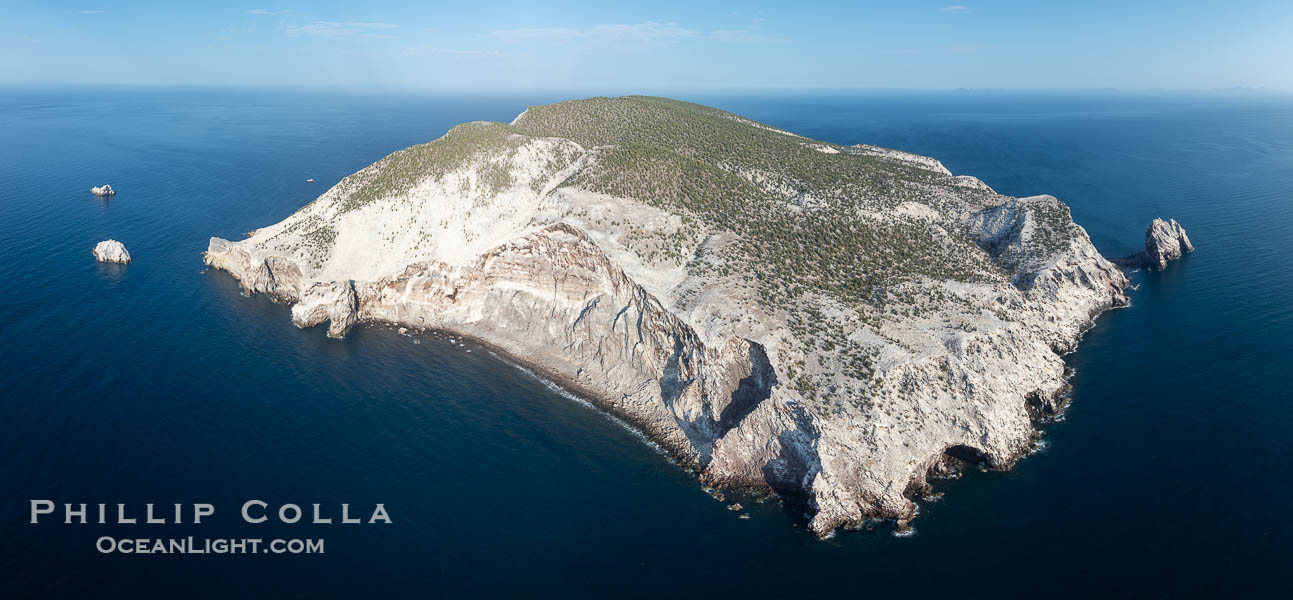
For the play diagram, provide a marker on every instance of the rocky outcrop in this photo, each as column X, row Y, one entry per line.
column 275, row 276
column 335, row 302
column 111, row 251
column 1164, row 241
column 103, row 191
column 843, row 397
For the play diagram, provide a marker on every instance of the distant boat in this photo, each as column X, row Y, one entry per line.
column 310, row 180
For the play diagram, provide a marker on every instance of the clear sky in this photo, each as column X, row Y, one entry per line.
column 555, row 44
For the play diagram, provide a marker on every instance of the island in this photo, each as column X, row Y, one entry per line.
column 833, row 325
column 111, row 251
column 1165, row 241
column 103, row 191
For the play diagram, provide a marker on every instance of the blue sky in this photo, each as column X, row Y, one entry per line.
column 609, row 46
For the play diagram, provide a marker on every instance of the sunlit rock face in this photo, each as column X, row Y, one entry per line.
column 1165, row 241
column 111, row 251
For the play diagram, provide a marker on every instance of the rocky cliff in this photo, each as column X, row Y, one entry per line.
column 833, row 324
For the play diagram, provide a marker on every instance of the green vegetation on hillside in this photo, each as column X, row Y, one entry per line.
column 809, row 234
column 814, row 221
column 401, row 171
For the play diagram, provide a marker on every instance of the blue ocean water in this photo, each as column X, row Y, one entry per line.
column 158, row 382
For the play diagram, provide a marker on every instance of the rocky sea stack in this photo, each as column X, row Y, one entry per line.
column 111, row 251
column 834, row 324
column 103, row 191
column 1164, row 241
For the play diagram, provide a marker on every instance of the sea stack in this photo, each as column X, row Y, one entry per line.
column 103, row 191
column 111, row 251
column 1164, row 241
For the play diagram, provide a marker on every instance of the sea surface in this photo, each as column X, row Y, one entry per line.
column 1171, row 474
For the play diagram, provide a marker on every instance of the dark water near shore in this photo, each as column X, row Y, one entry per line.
column 156, row 382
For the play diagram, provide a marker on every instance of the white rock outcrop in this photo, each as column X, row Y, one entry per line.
column 335, row 302
column 642, row 308
column 103, row 190
column 1164, row 241
column 111, row 251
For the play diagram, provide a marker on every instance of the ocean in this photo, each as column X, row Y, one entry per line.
column 1169, row 474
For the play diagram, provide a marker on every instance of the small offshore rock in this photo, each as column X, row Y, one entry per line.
column 402, row 330
column 111, row 251
column 735, row 506
column 1164, row 241
column 104, row 190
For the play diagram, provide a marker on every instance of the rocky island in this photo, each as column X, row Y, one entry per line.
column 111, row 251
column 833, row 324
column 103, row 191
column 1164, row 241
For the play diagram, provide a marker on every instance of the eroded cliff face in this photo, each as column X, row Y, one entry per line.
column 844, row 399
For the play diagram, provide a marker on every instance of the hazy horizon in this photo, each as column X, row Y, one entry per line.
column 614, row 91
column 1001, row 45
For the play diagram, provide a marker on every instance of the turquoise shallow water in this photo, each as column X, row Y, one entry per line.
column 157, row 382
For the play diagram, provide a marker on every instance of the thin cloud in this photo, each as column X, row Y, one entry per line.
column 456, row 52
column 266, row 11
column 650, row 32
column 738, row 35
column 92, row 12
column 970, row 49
column 955, row 9
column 342, row 29
column 418, row 52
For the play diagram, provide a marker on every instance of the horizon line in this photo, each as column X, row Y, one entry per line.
column 636, row 89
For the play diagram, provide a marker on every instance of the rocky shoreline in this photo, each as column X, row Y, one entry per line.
column 845, row 409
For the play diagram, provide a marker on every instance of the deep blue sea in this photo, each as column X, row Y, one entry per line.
column 1171, row 475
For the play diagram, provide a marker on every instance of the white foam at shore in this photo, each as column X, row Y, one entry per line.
column 563, row 392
